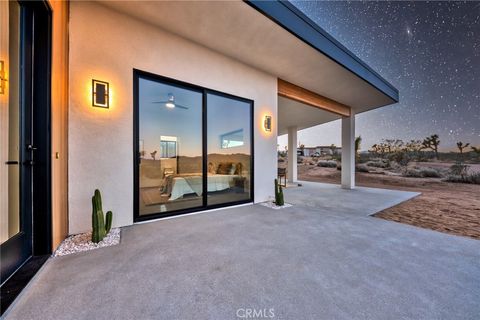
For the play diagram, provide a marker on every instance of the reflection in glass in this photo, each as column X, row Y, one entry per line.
column 170, row 148
column 228, row 152
column 232, row 139
column 9, row 122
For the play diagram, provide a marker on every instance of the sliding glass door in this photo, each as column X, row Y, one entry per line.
column 193, row 147
column 228, row 149
column 170, row 154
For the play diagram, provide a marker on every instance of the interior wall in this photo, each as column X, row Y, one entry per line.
column 106, row 45
column 9, row 121
column 4, row 27
column 59, row 121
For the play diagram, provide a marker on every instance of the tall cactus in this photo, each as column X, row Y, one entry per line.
column 278, row 194
column 100, row 226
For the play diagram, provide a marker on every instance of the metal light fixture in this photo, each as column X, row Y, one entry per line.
column 100, row 94
column 171, row 101
column 267, row 123
column 3, row 79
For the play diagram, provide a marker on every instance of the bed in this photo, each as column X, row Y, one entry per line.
column 178, row 185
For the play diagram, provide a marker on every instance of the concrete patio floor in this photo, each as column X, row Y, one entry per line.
column 323, row 258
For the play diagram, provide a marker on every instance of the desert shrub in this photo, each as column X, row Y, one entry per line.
column 401, row 157
column 379, row 163
column 459, row 169
column 361, row 168
column 327, row 164
column 423, row 173
column 413, row 173
column 473, row 178
column 431, row 173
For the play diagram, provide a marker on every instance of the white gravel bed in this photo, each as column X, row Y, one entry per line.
column 272, row 205
column 83, row 242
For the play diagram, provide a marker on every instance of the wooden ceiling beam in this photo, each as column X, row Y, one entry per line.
column 294, row 92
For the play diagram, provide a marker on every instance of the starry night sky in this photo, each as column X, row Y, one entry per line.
column 430, row 51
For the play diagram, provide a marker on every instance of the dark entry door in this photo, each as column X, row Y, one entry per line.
column 25, row 134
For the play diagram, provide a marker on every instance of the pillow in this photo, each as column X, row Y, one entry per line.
column 233, row 169
column 239, row 168
column 224, row 167
column 211, row 168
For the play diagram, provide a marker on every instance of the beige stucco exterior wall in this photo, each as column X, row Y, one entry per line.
column 107, row 45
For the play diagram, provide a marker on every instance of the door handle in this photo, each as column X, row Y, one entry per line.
column 30, row 147
column 11, row 162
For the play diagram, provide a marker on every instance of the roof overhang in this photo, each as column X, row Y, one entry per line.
column 275, row 37
column 292, row 113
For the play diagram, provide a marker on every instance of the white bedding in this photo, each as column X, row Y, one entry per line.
column 216, row 182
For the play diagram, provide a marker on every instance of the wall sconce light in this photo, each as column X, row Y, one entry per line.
column 2, row 77
column 267, row 123
column 100, row 94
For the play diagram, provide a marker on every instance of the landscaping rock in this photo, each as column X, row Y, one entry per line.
column 83, row 242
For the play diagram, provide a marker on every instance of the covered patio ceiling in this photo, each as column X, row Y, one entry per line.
column 274, row 37
column 302, row 116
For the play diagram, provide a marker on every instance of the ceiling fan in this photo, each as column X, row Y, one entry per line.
column 170, row 103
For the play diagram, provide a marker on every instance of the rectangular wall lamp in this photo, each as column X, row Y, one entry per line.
column 100, row 94
column 267, row 124
column 3, row 79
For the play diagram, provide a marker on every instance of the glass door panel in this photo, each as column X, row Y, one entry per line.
column 170, row 147
column 229, row 156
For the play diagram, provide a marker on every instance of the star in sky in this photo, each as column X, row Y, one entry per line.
column 430, row 51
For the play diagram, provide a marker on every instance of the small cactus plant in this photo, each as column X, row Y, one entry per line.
column 100, row 226
column 278, row 194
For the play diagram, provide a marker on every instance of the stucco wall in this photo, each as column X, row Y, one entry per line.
column 107, row 45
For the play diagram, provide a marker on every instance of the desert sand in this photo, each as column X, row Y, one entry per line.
column 452, row 208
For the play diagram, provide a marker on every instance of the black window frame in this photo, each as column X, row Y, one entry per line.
column 139, row 74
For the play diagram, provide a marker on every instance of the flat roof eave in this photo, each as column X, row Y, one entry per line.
column 293, row 20
column 270, row 37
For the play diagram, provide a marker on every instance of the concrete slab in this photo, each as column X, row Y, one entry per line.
column 304, row 262
column 332, row 197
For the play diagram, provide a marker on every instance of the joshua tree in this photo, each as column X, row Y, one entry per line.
column 476, row 150
column 153, row 154
column 431, row 143
column 358, row 141
column 413, row 146
column 462, row 146
column 333, row 148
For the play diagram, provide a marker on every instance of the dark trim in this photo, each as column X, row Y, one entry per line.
column 32, row 245
column 297, row 23
column 204, row 150
column 41, row 133
column 136, row 147
column 19, row 280
column 137, row 74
